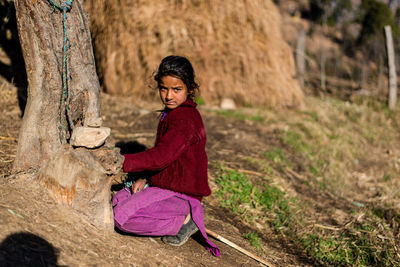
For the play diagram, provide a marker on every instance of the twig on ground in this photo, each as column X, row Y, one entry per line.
column 231, row 244
column 327, row 227
column 391, row 195
column 297, row 175
column 225, row 163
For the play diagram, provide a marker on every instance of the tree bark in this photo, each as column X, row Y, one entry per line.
column 40, row 29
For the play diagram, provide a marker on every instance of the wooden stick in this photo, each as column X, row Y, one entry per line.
column 300, row 62
column 327, row 227
column 229, row 243
column 392, row 68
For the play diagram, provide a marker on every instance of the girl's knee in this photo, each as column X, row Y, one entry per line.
column 120, row 196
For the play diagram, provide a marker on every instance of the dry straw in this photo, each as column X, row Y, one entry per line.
column 236, row 47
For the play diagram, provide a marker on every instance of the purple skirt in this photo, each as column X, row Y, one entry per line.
column 158, row 212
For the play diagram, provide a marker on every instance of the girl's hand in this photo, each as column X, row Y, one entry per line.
column 138, row 185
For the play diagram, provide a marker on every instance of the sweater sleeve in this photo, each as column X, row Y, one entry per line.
column 179, row 135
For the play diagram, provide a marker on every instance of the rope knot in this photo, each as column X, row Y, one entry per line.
column 64, row 6
column 68, row 5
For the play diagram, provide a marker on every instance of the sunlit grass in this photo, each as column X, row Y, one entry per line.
column 239, row 114
column 254, row 240
column 328, row 147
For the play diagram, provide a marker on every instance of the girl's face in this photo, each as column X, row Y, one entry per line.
column 173, row 91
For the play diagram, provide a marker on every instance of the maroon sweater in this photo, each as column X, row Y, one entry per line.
column 179, row 155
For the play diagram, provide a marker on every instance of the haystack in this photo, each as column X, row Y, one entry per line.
column 236, row 47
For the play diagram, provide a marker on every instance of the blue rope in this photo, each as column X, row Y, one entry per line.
column 64, row 7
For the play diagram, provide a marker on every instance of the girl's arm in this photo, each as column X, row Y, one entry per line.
column 180, row 134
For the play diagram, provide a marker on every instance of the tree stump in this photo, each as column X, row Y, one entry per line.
column 81, row 179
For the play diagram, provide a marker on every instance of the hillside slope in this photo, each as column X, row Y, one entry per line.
column 318, row 186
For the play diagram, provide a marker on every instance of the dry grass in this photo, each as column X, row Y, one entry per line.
column 235, row 46
column 9, row 126
column 330, row 180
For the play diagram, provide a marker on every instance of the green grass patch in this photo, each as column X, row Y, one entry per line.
column 386, row 177
column 262, row 164
column 238, row 114
column 353, row 246
column 235, row 190
column 350, row 247
column 312, row 115
column 254, row 240
column 276, row 159
column 275, row 202
column 276, row 155
column 200, row 101
column 294, row 140
column 237, row 193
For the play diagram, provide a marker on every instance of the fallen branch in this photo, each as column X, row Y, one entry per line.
column 297, row 175
column 229, row 243
column 327, row 227
column 391, row 195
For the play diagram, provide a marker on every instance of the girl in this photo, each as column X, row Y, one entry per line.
column 170, row 207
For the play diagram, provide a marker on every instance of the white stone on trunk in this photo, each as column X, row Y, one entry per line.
column 89, row 137
column 94, row 122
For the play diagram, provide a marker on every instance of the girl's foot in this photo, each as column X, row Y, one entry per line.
column 186, row 231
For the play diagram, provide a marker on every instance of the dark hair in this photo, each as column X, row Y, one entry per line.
column 178, row 67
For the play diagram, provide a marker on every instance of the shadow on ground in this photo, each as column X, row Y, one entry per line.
column 26, row 249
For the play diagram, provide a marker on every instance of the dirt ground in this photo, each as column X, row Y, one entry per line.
column 35, row 231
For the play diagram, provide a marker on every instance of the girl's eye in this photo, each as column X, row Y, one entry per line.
column 177, row 90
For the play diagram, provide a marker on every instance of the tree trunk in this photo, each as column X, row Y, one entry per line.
column 77, row 177
column 40, row 29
